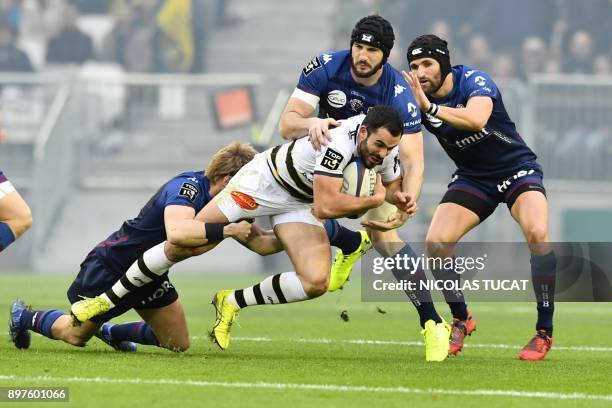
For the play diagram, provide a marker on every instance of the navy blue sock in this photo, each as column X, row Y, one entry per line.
column 137, row 332
column 6, row 236
column 454, row 298
column 40, row 321
column 345, row 239
column 420, row 298
column 543, row 274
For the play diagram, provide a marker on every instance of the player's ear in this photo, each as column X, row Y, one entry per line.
column 226, row 180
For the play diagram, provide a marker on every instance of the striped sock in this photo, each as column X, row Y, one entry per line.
column 152, row 264
column 137, row 332
column 6, row 236
column 40, row 321
column 282, row 288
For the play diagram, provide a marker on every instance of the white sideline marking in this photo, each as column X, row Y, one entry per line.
column 317, row 387
column 596, row 349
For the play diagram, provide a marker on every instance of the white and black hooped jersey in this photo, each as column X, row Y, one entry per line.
column 294, row 164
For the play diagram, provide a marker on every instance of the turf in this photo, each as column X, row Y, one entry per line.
column 282, row 354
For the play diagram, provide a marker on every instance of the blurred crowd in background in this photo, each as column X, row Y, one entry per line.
column 506, row 38
column 139, row 35
column 501, row 37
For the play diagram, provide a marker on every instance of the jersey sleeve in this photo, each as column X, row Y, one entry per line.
column 479, row 83
column 333, row 158
column 390, row 168
column 183, row 190
column 405, row 103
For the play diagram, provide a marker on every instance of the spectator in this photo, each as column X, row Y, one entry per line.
column 602, row 65
column 580, row 55
column 534, row 57
column 503, row 66
column 70, row 45
column 479, row 53
column 11, row 58
column 130, row 43
column 9, row 13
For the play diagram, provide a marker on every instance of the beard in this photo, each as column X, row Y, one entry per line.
column 369, row 160
column 366, row 74
column 434, row 84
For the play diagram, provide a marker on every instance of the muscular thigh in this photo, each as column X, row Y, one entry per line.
column 307, row 246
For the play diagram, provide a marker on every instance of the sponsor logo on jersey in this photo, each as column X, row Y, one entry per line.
column 327, row 58
column 398, row 89
column 311, row 66
column 472, row 139
column 503, row 186
column 188, row 191
column 480, row 80
column 412, row 123
column 412, row 109
column 336, row 98
column 356, row 105
column 433, row 121
column 469, row 73
column 244, row 201
column 332, row 159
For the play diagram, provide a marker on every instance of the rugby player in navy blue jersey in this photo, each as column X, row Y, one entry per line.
column 464, row 109
column 15, row 214
column 169, row 214
column 345, row 83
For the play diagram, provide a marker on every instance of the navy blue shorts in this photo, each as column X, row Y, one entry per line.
column 482, row 193
column 94, row 279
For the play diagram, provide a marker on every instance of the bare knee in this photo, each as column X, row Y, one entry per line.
column 77, row 339
column 438, row 247
column 177, row 345
column 536, row 233
column 315, row 286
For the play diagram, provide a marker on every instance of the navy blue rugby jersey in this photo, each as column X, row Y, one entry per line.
column 498, row 147
column 327, row 80
column 135, row 236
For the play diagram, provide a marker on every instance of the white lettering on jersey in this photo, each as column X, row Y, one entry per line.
column 469, row 73
column 336, row 98
column 327, row 58
column 398, row 90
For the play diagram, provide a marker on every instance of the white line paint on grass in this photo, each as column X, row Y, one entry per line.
column 311, row 387
column 369, row 342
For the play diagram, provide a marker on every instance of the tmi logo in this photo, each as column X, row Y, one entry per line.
column 472, row 139
column 503, row 186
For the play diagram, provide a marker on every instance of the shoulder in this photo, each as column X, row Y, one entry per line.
column 330, row 62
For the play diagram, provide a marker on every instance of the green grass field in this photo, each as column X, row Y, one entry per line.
column 304, row 355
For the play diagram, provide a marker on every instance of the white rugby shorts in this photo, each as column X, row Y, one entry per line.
column 253, row 192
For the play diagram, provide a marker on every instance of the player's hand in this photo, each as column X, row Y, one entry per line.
column 318, row 132
column 379, row 192
column 394, row 221
column 239, row 231
column 417, row 91
column 405, row 203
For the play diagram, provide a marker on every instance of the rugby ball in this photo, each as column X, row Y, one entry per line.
column 358, row 181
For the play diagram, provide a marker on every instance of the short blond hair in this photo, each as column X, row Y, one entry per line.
column 228, row 160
